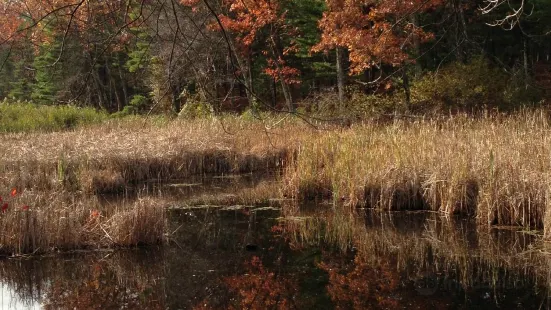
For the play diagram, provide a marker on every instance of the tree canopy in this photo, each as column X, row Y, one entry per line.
column 142, row 55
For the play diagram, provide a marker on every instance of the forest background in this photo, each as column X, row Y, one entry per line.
column 327, row 57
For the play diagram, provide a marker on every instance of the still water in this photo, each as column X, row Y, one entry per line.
column 311, row 258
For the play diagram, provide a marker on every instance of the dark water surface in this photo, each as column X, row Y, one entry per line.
column 254, row 258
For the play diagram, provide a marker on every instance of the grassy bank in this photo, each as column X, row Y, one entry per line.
column 495, row 168
column 60, row 174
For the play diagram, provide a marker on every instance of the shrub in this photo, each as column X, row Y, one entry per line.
column 469, row 86
column 196, row 108
column 137, row 104
column 18, row 116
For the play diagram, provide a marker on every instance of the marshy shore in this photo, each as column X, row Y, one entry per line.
column 495, row 168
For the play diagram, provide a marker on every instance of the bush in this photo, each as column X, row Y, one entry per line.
column 195, row 108
column 18, row 116
column 137, row 104
column 477, row 84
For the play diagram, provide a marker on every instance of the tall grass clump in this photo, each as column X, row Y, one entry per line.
column 495, row 168
column 40, row 223
column 28, row 117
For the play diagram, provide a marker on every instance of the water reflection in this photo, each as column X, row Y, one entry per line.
column 10, row 300
column 314, row 258
column 447, row 262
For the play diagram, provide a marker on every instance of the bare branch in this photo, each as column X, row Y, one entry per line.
column 510, row 20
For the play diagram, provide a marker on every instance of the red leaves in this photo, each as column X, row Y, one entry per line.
column 13, row 194
column 365, row 286
column 94, row 215
column 247, row 18
column 279, row 71
column 76, row 18
column 189, row 2
column 260, row 288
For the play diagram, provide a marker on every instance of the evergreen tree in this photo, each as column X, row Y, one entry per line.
column 6, row 73
column 48, row 73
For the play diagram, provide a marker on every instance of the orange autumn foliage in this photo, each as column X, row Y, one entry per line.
column 34, row 19
column 363, row 286
column 374, row 32
column 260, row 288
column 247, row 19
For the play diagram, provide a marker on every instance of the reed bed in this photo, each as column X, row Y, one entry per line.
column 495, row 168
column 60, row 175
column 35, row 223
column 109, row 157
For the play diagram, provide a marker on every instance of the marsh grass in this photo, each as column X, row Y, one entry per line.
column 60, row 175
column 60, row 221
column 496, row 168
column 118, row 153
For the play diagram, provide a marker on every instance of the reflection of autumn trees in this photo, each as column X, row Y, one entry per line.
column 362, row 286
column 260, row 288
column 100, row 291
column 126, row 279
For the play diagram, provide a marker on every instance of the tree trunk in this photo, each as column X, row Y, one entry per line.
column 108, row 83
column 124, row 87
column 525, row 63
column 276, row 52
column 340, row 73
column 461, row 31
column 245, row 72
column 274, row 92
column 287, row 95
column 416, row 45
column 99, row 89
column 175, row 88
column 405, row 85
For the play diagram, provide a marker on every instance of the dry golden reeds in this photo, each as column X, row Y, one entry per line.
column 497, row 168
column 40, row 223
column 106, row 158
column 58, row 171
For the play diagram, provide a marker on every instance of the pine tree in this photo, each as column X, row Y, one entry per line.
column 47, row 74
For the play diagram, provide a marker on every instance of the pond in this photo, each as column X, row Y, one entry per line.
column 310, row 258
